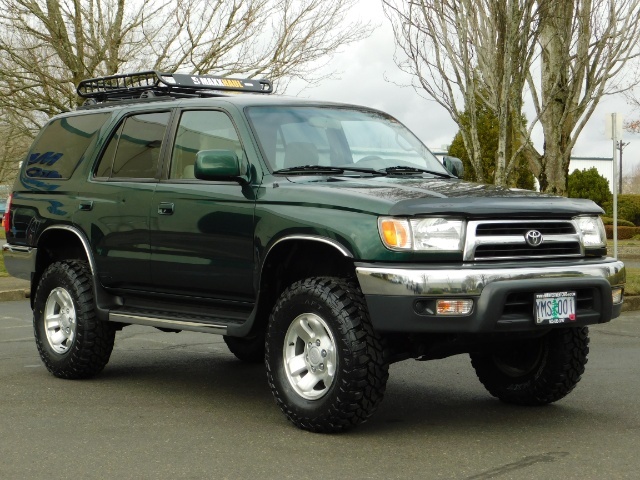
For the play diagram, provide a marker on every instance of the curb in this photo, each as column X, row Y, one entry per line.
column 631, row 303
column 13, row 295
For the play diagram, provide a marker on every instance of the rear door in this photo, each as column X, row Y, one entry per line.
column 202, row 231
column 114, row 211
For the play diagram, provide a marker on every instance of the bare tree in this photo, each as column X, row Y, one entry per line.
column 633, row 125
column 48, row 46
column 466, row 54
column 12, row 148
column 631, row 181
column 579, row 48
column 585, row 45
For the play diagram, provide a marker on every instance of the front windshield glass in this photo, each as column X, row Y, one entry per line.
column 337, row 137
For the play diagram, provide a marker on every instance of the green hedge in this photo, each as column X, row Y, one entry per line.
column 621, row 222
column 628, row 208
column 624, row 233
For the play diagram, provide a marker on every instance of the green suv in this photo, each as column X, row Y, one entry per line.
column 322, row 239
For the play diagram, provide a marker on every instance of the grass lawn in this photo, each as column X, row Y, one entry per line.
column 633, row 282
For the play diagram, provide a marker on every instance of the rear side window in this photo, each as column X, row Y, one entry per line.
column 60, row 146
column 134, row 149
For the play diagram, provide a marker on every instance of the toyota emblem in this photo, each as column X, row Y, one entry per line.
column 533, row 238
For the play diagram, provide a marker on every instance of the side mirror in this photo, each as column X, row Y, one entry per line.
column 454, row 165
column 219, row 165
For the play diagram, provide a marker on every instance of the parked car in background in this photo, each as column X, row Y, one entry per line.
column 3, row 207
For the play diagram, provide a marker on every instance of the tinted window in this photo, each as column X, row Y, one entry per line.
column 201, row 130
column 134, row 149
column 59, row 148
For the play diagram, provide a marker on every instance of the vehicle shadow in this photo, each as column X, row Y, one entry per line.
column 215, row 380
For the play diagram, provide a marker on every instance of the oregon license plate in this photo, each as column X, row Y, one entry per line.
column 557, row 307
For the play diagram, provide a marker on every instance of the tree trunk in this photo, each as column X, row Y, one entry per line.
column 555, row 39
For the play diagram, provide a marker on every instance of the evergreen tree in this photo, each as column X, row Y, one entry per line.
column 487, row 124
column 589, row 184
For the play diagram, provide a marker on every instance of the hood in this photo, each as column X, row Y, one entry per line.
column 417, row 196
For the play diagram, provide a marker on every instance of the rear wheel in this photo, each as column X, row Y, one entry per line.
column 535, row 371
column 326, row 366
column 71, row 341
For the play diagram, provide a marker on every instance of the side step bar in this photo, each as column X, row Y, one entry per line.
column 191, row 324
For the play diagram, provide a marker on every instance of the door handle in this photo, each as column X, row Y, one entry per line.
column 165, row 208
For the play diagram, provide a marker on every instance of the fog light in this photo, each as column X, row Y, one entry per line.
column 616, row 295
column 454, row 307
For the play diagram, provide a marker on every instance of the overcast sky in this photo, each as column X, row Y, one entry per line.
column 367, row 75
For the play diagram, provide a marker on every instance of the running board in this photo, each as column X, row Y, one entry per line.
column 192, row 325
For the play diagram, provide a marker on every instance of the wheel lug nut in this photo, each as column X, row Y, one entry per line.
column 318, row 343
column 323, row 353
column 322, row 366
column 313, row 369
column 310, row 344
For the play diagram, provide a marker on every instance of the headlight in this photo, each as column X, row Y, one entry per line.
column 593, row 233
column 422, row 234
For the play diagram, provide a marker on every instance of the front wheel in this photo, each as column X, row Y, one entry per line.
column 326, row 366
column 72, row 342
column 535, row 371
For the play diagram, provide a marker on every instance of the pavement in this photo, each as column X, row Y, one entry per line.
column 180, row 406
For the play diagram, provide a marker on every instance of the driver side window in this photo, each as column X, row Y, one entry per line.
column 201, row 130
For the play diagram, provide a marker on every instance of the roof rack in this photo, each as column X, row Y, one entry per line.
column 153, row 83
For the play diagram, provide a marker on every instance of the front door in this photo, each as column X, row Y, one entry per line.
column 202, row 231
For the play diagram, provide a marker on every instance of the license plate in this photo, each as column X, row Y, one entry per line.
column 557, row 307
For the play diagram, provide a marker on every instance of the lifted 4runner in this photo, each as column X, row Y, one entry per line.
column 320, row 238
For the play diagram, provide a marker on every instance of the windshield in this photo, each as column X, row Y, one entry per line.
column 337, row 137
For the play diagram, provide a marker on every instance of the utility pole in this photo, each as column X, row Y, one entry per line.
column 621, row 146
column 613, row 128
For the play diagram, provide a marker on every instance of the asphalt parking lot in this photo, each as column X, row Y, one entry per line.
column 181, row 406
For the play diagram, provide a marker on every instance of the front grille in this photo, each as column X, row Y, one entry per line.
column 544, row 250
column 506, row 239
column 545, row 228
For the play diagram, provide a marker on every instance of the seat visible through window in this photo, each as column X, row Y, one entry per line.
column 300, row 153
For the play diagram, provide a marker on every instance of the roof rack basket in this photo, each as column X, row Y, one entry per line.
column 152, row 83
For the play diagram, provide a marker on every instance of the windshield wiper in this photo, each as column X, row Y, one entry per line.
column 403, row 170
column 326, row 169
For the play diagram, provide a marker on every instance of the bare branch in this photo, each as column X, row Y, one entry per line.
column 468, row 55
column 48, row 46
column 487, row 52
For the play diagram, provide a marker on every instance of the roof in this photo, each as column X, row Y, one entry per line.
column 590, row 159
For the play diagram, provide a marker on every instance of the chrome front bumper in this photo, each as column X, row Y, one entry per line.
column 402, row 298
column 473, row 279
